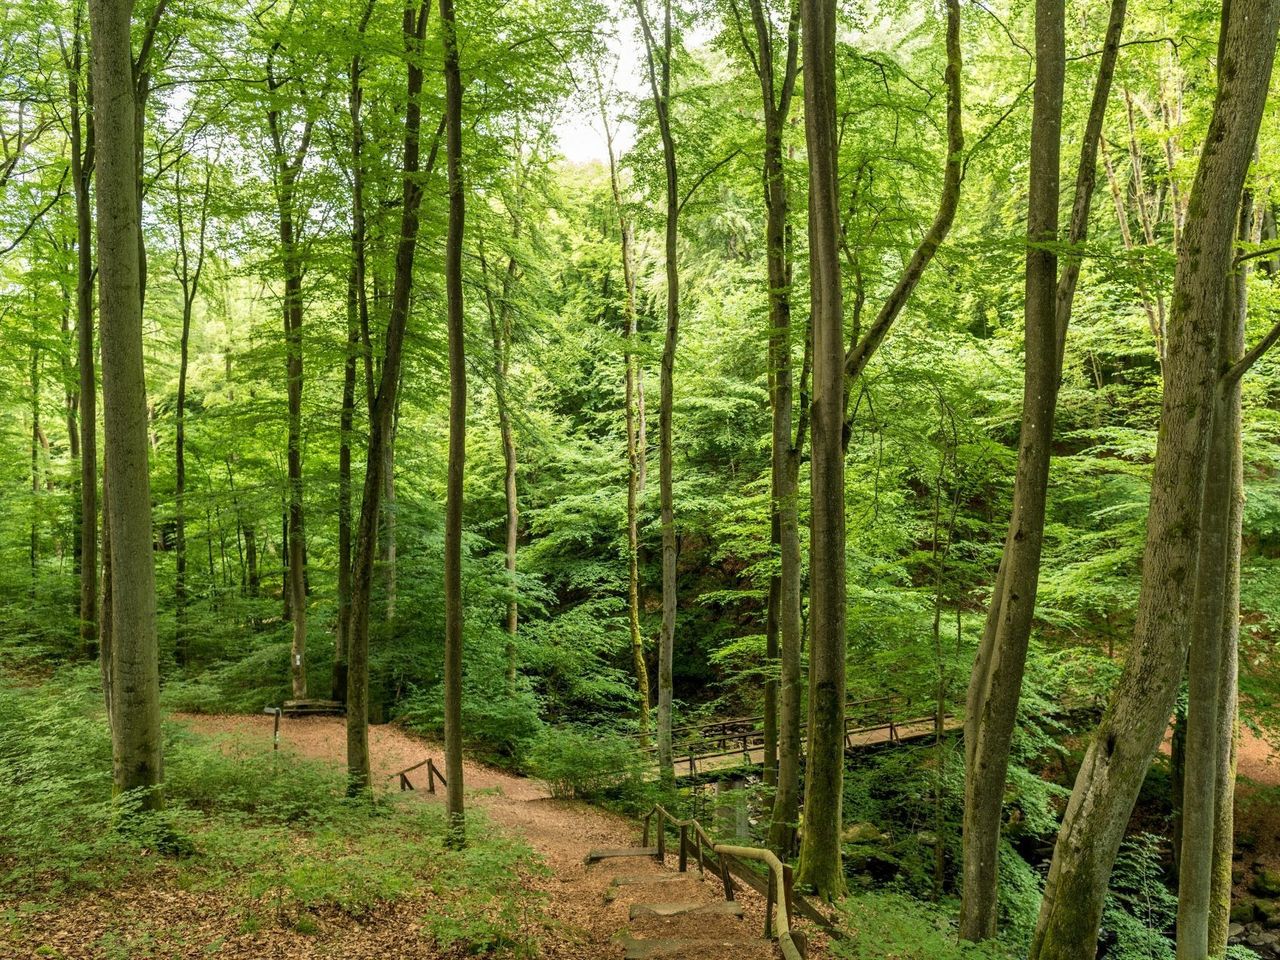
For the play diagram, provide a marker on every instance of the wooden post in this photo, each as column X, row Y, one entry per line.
column 431, row 777
column 662, row 839
column 684, row 848
column 702, row 860
column 725, row 877
column 788, row 892
column 771, row 900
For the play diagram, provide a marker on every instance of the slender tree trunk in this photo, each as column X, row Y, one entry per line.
column 634, row 402
column 996, row 682
column 457, row 432
column 782, row 734
column 297, row 588
column 1229, row 670
column 1138, row 714
column 36, row 434
column 251, row 558
column 820, row 866
column 188, row 275
column 135, row 686
column 338, row 682
column 1214, row 627
column 997, row 676
column 659, row 68
column 357, row 335
column 500, row 334
column 288, row 167
column 383, row 411
column 387, row 538
column 82, row 161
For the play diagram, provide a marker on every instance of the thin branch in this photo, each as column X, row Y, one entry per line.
column 705, row 174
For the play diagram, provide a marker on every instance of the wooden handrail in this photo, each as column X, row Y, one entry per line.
column 759, row 718
column 782, row 901
column 433, row 774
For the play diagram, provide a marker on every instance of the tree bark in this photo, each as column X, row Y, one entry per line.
column 357, row 326
column 820, row 866
column 658, row 61
column 287, row 169
column 457, row 432
column 996, row 682
column 135, row 682
column 634, row 402
column 782, row 726
column 188, row 275
column 384, row 403
column 1214, row 629
column 1228, row 732
column 1138, row 714
column 82, row 161
column 500, row 334
column 251, row 559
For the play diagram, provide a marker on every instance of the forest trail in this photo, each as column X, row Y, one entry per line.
column 590, row 907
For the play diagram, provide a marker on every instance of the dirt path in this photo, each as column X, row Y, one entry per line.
column 588, row 909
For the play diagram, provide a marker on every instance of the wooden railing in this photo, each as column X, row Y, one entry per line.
column 433, row 774
column 712, row 740
column 726, row 860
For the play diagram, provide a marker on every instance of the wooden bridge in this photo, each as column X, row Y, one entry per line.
column 716, row 745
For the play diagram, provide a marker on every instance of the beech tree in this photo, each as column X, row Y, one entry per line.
column 457, row 430
column 996, row 680
column 135, row 676
column 1138, row 713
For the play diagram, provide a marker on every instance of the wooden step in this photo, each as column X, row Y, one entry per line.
column 637, row 949
column 717, row 908
column 312, row 708
column 644, row 879
column 607, row 854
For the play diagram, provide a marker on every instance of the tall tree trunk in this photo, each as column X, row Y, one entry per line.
column 996, row 682
column 357, row 333
column 1138, row 714
column 338, row 683
column 251, row 558
column 287, row 168
column 384, row 402
column 82, row 162
column 387, row 538
column 500, row 335
column 105, row 646
column 658, row 59
column 1214, row 628
column 634, row 402
column 457, row 432
column 36, row 434
column 188, row 270
column 782, row 730
column 820, row 866
column 997, row 675
column 135, row 680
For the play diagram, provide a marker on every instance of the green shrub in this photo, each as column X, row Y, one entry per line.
column 574, row 763
column 889, row 926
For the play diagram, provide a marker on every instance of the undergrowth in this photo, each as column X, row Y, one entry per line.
column 273, row 834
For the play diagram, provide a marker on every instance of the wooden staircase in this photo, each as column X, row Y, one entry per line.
column 693, row 913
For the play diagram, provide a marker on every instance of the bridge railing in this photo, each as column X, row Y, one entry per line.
column 782, row 902
column 717, row 739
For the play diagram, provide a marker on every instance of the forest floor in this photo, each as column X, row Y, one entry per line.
column 561, row 832
column 567, row 911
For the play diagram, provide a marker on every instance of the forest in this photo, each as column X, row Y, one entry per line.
column 663, row 478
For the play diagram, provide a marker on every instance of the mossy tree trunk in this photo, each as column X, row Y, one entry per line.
column 1137, row 716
